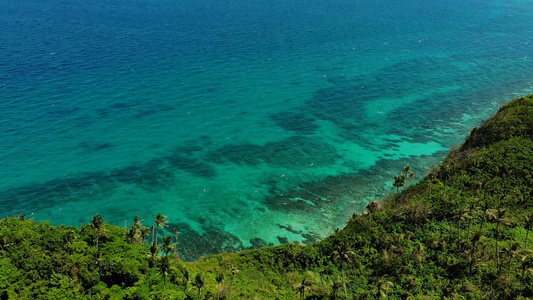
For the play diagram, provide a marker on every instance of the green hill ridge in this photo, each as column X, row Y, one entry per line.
column 462, row 232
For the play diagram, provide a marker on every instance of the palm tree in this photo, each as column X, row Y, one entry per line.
column 475, row 239
column 137, row 232
column 145, row 232
column 399, row 181
column 234, row 272
column 186, row 279
column 511, row 252
column 383, row 285
column 219, row 279
column 497, row 216
column 69, row 237
column 301, row 287
column 97, row 223
column 164, row 268
column 199, row 283
column 159, row 222
column 527, row 265
column 154, row 251
column 344, row 254
column 167, row 246
column 529, row 225
column 308, row 280
column 176, row 232
column 372, row 207
column 410, row 175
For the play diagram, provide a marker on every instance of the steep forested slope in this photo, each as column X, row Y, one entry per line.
column 463, row 231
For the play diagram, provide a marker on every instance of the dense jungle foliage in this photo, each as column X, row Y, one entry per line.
column 462, row 232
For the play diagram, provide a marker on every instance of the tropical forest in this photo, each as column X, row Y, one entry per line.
column 462, row 231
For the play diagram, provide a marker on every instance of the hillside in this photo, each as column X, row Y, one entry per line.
column 463, row 231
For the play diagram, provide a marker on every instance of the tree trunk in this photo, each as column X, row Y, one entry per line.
column 468, row 230
column 459, row 234
column 527, row 236
column 510, row 264
column 185, row 291
column 153, row 233
column 230, row 287
column 472, row 256
column 497, row 249
column 156, row 233
column 344, row 283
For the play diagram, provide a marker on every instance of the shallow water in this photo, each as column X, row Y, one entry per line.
column 246, row 122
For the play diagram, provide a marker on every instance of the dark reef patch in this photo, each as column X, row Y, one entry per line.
column 296, row 122
column 338, row 103
column 191, row 165
column 150, row 176
column 292, row 152
column 311, row 197
column 213, row 240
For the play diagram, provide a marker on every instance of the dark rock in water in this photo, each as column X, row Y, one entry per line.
column 283, row 240
column 310, row 238
column 289, row 229
column 257, row 243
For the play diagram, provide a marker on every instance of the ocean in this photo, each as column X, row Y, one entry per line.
column 247, row 123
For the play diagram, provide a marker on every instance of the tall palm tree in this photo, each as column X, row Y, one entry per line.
column 186, row 279
column 498, row 216
column 511, row 252
column 529, row 225
column 527, row 265
column 69, row 237
column 154, row 251
column 97, row 223
column 399, row 181
column 199, row 282
column 219, row 279
column 234, row 272
column 475, row 238
column 164, row 268
column 383, row 286
column 409, row 174
column 137, row 232
column 308, row 280
column 176, row 232
column 344, row 254
column 160, row 222
column 167, row 244
column 302, row 287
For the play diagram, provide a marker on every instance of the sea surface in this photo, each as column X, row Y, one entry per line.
column 246, row 122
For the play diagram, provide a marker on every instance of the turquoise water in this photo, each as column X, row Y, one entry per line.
column 246, row 122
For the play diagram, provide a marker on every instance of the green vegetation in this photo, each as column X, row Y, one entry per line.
column 463, row 231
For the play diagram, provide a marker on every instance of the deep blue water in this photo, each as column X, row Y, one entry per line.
column 246, row 122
